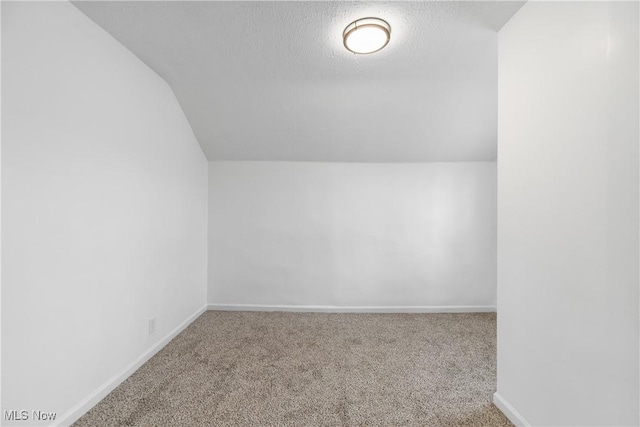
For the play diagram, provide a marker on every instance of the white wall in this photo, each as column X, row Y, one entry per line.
column 104, row 208
column 349, row 234
column 568, row 214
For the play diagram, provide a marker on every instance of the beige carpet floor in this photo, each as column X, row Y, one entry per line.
column 315, row 369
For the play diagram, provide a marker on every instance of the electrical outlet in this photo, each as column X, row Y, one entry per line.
column 152, row 325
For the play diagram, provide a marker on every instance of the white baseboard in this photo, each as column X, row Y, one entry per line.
column 509, row 411
column 107, row 387
column 354, row 309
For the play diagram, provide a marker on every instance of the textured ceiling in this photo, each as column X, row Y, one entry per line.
column 272, row 80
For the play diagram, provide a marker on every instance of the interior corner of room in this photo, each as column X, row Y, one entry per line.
column 225, row 213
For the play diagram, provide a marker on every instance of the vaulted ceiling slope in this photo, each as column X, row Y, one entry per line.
column 272, row 80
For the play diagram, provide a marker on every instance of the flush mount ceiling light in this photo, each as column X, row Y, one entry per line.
column 366, row 35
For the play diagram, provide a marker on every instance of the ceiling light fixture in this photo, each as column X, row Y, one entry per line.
column 366, row 35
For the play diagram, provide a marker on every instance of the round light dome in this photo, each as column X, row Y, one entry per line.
column 366, row 35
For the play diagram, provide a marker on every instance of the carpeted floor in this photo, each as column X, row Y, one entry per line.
column 313, row 369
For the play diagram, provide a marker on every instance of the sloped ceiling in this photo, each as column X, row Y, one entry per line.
column 272, row 80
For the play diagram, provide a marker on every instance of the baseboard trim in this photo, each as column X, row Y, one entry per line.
column 107, row 387
column 509, row 411
column 354, row 309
